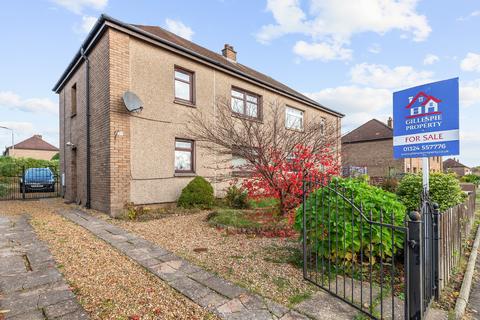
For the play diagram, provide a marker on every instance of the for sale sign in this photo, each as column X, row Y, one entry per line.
column 425, row 120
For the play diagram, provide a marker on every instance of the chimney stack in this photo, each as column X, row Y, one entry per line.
column 229, row 53
column 390, row 122
column 38, row 136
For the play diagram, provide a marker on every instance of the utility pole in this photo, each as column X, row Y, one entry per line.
column 13, row 144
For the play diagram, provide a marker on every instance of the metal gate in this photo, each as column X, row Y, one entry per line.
column 379, row 263
column 28, row 182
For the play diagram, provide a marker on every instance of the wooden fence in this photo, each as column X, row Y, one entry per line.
column 455, row 225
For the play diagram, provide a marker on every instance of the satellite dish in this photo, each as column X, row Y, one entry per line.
column 132, row 102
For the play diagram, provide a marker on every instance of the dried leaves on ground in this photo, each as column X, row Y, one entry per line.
column 108, row 284
column 268, row 266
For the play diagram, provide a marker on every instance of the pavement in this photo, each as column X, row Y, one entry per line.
column 473, row 306
column 31, row 287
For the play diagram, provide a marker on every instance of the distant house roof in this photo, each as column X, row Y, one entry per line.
column 369, row 131
column 453, row 163
column 35, row 143
column 188, row 48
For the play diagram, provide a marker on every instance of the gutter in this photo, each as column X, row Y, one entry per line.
column 87, row 107
column 99, row 26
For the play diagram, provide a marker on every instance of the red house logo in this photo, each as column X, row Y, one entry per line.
column 423, row 105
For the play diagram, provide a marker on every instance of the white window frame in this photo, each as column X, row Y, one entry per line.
column 289, row 113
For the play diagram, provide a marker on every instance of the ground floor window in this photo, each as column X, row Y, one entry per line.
column 184, row 155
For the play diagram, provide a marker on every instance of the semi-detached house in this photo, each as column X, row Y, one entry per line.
column 110, row 156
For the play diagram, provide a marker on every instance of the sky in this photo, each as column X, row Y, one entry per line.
column 348, row 55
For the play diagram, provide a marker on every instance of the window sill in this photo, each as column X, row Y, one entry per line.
column 295, row 130
column 184, row 103
column 242, row 174
column 185, row 174
column 241, row 116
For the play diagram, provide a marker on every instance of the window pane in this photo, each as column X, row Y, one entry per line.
column 237, row 105
column 252, row 98
column 183, row 76
column 252, row 109
column 183, row 160
column 182, row 90
column 295, row 112
column 237, row 94
column 183, row 144
column 293, row 118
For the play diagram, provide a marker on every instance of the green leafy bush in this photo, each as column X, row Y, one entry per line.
column 471, row 178
column 13, row 166
column 444, row 190
column 236, row 198
column 3, row 189
column 390, row 184
column 197, row 194
column 337, row 221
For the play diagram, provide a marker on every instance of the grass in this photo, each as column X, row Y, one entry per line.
column 297, row 298
column 232, row 217
column 263, row 203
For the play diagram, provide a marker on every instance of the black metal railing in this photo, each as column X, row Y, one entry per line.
column 22, row 182
column 388, row 268
column 354, row 253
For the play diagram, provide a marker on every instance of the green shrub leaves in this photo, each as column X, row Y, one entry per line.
column 197, row 194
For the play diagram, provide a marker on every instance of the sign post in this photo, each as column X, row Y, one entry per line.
column 426, row 123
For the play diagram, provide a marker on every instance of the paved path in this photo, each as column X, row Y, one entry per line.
column 473, row 306
column 31, row 287
column 217, row 295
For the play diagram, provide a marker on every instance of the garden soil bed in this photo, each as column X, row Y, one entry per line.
column 107, row 284
column 268, row 266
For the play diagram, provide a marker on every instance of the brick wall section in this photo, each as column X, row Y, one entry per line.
column 377, row 156
column 119, row 122
column 100, row 125
column 73, row 129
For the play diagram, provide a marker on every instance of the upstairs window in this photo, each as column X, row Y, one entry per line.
column 73, row 96
column 293, row 118
column 184, row 156
column 245, row 103
column 184, row 81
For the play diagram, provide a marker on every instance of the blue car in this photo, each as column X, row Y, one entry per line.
column 38, row 179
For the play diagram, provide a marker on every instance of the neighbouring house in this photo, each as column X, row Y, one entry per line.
column 113, row 156
column 33, row 147
column 454, row 165
column 369, row 149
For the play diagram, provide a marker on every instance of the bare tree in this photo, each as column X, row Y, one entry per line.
column 226, row 133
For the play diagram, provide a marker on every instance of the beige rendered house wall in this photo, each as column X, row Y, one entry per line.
column 31, row 153
column 132, row 155
column 153, row 131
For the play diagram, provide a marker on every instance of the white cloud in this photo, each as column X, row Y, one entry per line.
column 336, row 21
column 321, row 51
column 13, row 101
column 471, row 62
column 78, row 6
column 358, row 104
column 179, row 28
column 85, row 25
column 430, row 59
column 471, row 15
column 353, row 99
column 382, row 76
column 470, row 93
column 375, row 48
